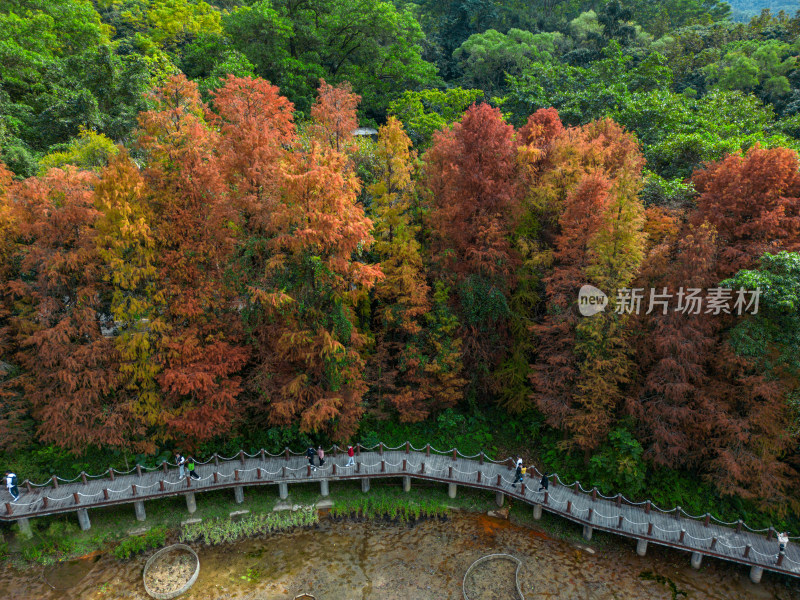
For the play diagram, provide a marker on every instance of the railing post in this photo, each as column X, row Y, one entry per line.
column 216, row 459
column 44, row 501
column 480, row 460
column 713, row 543
column 333, row 471
column 77, row 498
column 358, row 467
column 569, row 506
column 770, row 533
column 188, row 481
column 499, row 480
column 422, row 467
column 105, row 493
column 308, row 470
column 479, row 476
column 708, row 519
column 163, row 465
column 8, row 508
column 577, row 487
column 283, row 472
column 335, row 451
column 138, row 470
column 511, row 464
column 449, row 472
column 383, row 466
column 216, row 477
column 739, row 526
column 747, row 551
column 263, row 457
column 683, row 533
column 455, row 453
column 28, row 485
column 522, row 487
column 594, row 494
column 619, row 500
column 427, row 449
column 647, row 508
column 546, row 496
column 380, row 448
column 111, row 471
column 133, row 489
column 286, row 454
column 241, row 456
column 358, row 449
column 404, row 464
column 619, row 524
column 55, row 482
column 650, row 528
column 408, row 450
column 258, row 472
column 161, row 486
column 591, row 512
column 83, row 477
column 678, row 512
column 236, row 474
column 780, row 559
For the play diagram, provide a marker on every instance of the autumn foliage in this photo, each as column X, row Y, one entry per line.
column 242, row 269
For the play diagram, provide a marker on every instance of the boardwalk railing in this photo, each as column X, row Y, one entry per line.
column 702, row 535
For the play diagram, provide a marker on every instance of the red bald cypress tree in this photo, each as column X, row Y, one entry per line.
column 472, row 180
column 753, row 201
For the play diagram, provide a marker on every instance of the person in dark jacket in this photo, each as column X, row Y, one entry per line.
column 543, row 484
column 311, row 453
column 321, row 454
column 518, row 474
column 190, row 466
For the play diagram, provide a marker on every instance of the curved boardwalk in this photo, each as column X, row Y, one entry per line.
column 702, row 536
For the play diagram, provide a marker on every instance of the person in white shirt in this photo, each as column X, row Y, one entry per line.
column 11, row 484
column 783, row 539
column 181, row 462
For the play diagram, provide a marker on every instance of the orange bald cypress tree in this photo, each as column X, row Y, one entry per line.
column 200, row 348
column 334, row 115
column 584, row 363
column 310, row 368
column 411, row 373
column 69, row 365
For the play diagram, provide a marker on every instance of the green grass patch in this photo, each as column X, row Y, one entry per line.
column 227, row 530
column 154, row 538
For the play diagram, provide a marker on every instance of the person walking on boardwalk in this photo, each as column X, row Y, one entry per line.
column 321, row 454
column 181, row 462
column 544, row 484
column 783, row 539
column 310, row 454
column 518, row 474
column 190, row 466
column 351, row 461
column 11, row 485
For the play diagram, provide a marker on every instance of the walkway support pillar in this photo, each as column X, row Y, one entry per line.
column 24, row 525
column 641, row 547
column 323, row 487
column 191, row 504
column 283, row 490
column 697, row 559
column 499, row 498
column 139, row 508
column 83, row 519
column 365, row 485
column 537, row 511
column 756, row 573
column 406, row 483
column 238, row 494
column 451, row 490
column 587, row 532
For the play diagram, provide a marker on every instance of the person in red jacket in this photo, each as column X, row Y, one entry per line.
column 351, row 461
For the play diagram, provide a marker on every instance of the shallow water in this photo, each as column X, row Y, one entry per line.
column 366, row 560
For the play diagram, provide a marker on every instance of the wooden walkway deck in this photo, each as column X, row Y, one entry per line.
column 701, row 536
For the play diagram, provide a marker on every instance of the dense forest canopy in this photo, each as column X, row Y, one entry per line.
column 196, row 251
